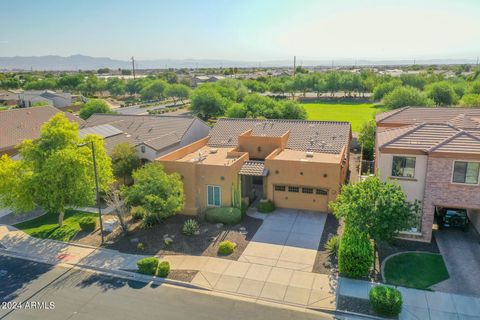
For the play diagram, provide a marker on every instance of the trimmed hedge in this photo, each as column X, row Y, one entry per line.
column 386, row 301
column 163, row 269
column 355, row 254
column 87, row 224
column 148, row 265
column 226, row 247
column 265, row 206
column 225, row 215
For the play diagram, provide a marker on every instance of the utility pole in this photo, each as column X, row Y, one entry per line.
column 294, row 65
column 477, row 61
column 133, row 67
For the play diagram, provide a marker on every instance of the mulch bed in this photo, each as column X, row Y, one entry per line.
column 324, row 262
column 357, row 305
column 182, row 275
column 206, row 243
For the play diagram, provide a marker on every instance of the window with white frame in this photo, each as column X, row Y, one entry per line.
column 213, row 196
column 466, row 172
column 403, row 167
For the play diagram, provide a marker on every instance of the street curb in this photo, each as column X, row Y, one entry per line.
column 350, row 313
column 117, row 273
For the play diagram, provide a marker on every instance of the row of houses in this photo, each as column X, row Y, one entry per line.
column 433, row 153
column 25, row 99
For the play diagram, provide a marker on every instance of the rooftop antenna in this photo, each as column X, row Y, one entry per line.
column 133, row 67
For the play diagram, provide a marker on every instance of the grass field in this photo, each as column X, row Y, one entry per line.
column 415, row 270
column 46, row 226
column 355, row 113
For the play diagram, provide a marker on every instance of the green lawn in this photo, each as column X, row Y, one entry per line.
column 415, row 270
column 46, row 226
column 355, row 113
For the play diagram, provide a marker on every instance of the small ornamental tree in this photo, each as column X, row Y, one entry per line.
column 406, row 96
column 177, row 92
column 124, row 161
column 376, row 208
column 366, row 138
column 94, row 106
column 161, row 194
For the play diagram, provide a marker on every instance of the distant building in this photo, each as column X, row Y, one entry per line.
column 151, row 135
column 9, row 98
column 205, row 79
column 52, row 98
column 17, row 125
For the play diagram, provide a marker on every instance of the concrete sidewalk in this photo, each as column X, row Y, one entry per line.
column 420, row 304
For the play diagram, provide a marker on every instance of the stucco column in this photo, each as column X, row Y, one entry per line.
column 264, row 180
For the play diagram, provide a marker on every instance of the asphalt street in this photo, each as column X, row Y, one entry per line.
column 31, row 290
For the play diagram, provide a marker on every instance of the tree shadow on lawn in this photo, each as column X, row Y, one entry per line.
column 206, row 243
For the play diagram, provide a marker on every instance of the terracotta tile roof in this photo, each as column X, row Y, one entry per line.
column 460, row 117
column 385, row 135
column 253, row 168
column 158, row 132
column 459, row 143
column 318, row 136
column 19, row 124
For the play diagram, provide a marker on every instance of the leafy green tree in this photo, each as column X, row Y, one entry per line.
column 154, row 90
column 70, row 82
column 236, row 110
column 384, row 88
column 207, row 102
column 94, row 106
column 442, row 93
column 116, row 86
column 332, row 82
column 376, row 208
column 470, row 100
column 474, row 87
column 366, row 138
column 292, row 110
column 54, row 172
column 91, row 86
column 124, row 160
column 261, row 106
column 413, row 80
column 161, row 194
column 277, row 85
column 406, row 96
column 177, row 91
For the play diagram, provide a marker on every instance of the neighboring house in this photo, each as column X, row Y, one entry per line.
column 52, row 98
column 204, row 79
column 9, row 98
column 434, row 154
column 294, row 163
column 17, row 125
column 151, row 135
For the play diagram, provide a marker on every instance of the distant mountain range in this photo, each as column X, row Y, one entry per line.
column 82, row 62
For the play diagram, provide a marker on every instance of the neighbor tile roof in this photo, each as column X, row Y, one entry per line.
column 158, row 132
column 253, row 168
column 318, row 136
column 19, row 124
column 460, row 117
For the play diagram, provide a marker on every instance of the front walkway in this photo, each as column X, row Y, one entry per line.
column 420, row 304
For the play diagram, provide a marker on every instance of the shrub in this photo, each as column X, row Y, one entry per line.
column 88, row 224
column 148, row 265
column 138, row 212
column 226, row 247
column 224, row 215
column 140, row 246
column 190, row 227
column 386, row 301
column 265, row 206
column 163, row 269
column 332, row 245
column 355, row 254
column 149, row 220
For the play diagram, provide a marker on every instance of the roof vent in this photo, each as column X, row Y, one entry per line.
column 213, row 150
column 309, row 154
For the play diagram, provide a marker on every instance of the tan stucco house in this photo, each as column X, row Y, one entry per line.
column 434, row 154
column 294, row 163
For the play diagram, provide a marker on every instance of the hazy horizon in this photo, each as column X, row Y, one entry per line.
column 247, row 30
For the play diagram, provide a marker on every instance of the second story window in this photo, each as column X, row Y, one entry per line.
column 142, row 148
column 403, row 167
column 466, row 172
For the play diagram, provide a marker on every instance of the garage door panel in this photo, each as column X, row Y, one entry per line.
column 299, row 200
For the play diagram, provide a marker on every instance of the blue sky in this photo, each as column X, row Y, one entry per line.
column 242, row 29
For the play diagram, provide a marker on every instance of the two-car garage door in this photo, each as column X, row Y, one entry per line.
column 300, row 197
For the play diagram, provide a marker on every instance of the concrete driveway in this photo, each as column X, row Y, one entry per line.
column 288, row 238
column 461, row 253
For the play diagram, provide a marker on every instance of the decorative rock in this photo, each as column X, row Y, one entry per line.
column 168, row 241
column 205, row 230
column 134, row 240
column 212, row 239
column 244, row 232
column 172, row 236
column 242, row 229
column 197, row 232
column 165, row 236
column 219, row 225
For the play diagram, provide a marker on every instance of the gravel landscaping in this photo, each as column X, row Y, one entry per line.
column 324, row 262
column 205, row 243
